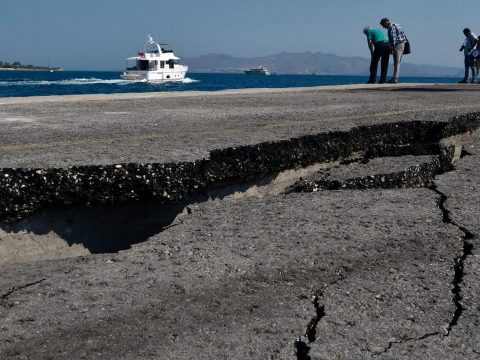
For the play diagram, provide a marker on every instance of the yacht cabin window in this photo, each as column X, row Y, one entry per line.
column 146, row 65
column 142, row 65
column 171, row 63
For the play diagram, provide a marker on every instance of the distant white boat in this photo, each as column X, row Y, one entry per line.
column 50, row 69
column 259, row 70
column 159, row 64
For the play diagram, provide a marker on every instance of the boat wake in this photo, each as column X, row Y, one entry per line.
column 189, row 81
column 80, row 81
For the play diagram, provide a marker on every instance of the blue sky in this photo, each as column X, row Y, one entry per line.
column 100, row 34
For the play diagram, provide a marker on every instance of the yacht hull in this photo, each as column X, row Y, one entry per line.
column 154, row 76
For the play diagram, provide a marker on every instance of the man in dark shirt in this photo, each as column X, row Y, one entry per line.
column 397, row 40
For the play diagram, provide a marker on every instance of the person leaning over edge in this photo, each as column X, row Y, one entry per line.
column 468, row 45
column 397, row 40
column 379, row 49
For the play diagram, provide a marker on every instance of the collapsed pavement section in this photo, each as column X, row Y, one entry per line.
column 93, row 209
column 24, row 190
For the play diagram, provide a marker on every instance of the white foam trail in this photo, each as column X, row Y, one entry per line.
column 189, row 81
column 78, row 81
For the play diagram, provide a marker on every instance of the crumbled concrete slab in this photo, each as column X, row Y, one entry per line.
column 380, row 173
column 376, row 166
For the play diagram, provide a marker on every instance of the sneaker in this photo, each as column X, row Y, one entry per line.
column 392, row 81
column 473, row 82
column 463, row 81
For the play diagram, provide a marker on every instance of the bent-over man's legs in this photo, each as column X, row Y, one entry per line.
column 384, row 63
column 374, row 65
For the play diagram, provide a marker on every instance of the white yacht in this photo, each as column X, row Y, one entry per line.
column 158, row 64
column 259, row 70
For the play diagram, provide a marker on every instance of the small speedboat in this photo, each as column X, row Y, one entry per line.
column 158, row 64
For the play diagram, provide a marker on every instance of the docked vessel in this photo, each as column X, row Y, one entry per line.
column 158, row 64
column 259, row 70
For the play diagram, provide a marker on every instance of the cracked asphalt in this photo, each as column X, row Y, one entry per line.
column 372, row 271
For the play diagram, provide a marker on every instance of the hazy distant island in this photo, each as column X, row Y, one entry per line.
column 19, row 66
column 309, row 63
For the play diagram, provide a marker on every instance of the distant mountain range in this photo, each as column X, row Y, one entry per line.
column 308, row 63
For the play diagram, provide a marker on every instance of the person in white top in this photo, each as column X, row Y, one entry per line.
column 471, row 41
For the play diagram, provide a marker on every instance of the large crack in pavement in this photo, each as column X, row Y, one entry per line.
column 301, row 347
column 459, row 261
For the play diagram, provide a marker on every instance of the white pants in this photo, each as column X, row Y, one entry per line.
column 397, row 59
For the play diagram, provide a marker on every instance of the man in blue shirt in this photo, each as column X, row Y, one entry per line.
column 379, row 49
column 468, row 45
column 397, row 40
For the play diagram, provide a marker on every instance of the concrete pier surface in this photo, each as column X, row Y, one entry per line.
column 163, row 127
column 227, row 246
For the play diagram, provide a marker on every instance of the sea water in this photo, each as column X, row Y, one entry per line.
column 42, row 83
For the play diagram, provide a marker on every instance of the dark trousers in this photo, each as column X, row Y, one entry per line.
column 381, row 51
